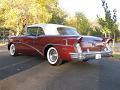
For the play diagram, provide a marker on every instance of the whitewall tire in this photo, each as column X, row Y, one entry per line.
column 13, row 50
column 53, row 56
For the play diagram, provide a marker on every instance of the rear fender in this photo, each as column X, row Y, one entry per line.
column 109, row 40
column 78, row 44
column 64, row 51
column 108, row 44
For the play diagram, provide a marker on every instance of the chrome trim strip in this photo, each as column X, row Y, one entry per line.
column 89, row 53
column 32, row 48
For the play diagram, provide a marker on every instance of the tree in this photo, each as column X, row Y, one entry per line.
column 58, row 15
column 82, row 23
column 109, row 23
column 71, row 21
column 19, row 13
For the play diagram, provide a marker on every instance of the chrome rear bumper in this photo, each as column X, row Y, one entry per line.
column 89, row 55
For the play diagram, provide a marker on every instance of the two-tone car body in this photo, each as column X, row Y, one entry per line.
column 58, row 43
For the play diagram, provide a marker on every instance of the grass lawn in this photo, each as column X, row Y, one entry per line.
column 117, row 56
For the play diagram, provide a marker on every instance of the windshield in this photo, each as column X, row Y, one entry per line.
column 67, row 31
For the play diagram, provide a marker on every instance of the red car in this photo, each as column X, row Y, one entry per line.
column 58, row 43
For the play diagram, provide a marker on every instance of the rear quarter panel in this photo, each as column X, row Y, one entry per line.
column 60, row 44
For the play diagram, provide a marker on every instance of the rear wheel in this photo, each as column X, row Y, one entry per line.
column 13, row 50
column 53, row 56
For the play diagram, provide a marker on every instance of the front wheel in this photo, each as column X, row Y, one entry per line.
column 13, row 50
column 53, row 56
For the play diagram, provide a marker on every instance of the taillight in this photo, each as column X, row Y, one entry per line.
column 109, row 46
column 77, row 45
column 107, row 43
column 79, row 39
column 79, row 50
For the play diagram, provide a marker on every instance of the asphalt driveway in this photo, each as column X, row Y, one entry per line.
column 34, row 73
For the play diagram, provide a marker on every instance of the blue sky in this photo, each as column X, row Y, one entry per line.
column 90, row 8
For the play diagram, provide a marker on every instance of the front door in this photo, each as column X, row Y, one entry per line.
column 29, row 40
column 39, row 42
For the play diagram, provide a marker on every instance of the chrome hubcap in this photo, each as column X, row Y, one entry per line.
column 53, row 56
column 12, row 49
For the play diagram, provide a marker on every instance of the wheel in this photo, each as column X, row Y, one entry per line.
column 13, row 50
column 53, row 57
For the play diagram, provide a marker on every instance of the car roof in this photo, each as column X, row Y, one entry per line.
column 49, row 29
column 45, row 25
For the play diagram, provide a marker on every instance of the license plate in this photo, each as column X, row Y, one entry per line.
column 98, row 56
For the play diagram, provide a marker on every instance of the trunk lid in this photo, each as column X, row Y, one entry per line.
column 92, row 43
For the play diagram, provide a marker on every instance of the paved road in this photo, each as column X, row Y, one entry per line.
column 34, row 73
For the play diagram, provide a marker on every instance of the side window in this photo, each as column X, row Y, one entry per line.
column 40, row 31
column 32, row 31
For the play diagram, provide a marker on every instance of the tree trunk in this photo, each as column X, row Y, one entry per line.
column 105, row 35
column 18, row 32
column 114, row 40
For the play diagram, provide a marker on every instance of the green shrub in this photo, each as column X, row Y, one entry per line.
column 117, row 56
column 118, row 39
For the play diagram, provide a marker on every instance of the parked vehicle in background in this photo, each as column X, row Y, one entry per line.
column 59, row 43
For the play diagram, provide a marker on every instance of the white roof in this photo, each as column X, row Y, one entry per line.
column 37, row 25
column 49, row 29
column 45, row 25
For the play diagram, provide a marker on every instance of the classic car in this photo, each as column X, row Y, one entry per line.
column 59, row 43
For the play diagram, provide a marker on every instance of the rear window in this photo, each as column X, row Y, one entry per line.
column 67, row 31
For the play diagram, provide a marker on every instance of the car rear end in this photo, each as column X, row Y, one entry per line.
column 90, row 47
